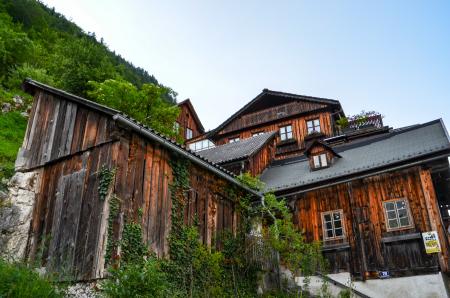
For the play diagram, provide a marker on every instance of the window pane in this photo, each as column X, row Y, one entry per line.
column 389, row 206
column 338, row 232
column 401, row 204
column 282, row 130
column 316, row 161
column 289, row 135
column 393, row 223
column 402, row 213
column 337, row 224
column 316, row 123
column 327, row 217
column 289, row 128
column 323, row 160
column 391, row 215
column 309, row 124
column 328, row 225
column 329, row 233
column 404, row 221
column 282, row 137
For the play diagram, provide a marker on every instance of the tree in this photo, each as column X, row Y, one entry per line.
column 147, row 105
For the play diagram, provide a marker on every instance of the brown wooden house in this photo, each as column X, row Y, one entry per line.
column 188, row 123
column 68, row 142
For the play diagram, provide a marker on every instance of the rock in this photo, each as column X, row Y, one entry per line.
column 24, row 114
column 15, row 217
column 18, row 100
column 6, row 107
column 3, row 195
column 82, row 290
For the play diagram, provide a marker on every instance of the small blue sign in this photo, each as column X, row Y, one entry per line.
column 383, row 274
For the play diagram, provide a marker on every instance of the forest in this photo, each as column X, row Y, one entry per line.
column 39, row 43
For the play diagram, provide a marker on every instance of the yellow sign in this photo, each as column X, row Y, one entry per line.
column 431, row 241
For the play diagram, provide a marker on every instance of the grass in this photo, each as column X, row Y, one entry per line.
column 12, row 131
column 17, row 280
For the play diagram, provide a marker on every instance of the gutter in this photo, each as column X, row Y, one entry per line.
column 365, row 176
column 171, row 146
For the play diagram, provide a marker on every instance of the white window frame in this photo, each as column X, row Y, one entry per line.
column 232, row 140
column 202, row 145
column 286, row 132
column 189, row 133
column 397, row 216
column 320, row 161
column 313, row 125
column 333, row 228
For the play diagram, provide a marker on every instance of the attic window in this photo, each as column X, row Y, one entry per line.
column 313, row 125
column 188, row 133
column 320, row 161
column 232, row 140
column 286, row 132
column 257, row 133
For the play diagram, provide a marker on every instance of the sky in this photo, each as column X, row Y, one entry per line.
column 389, row 56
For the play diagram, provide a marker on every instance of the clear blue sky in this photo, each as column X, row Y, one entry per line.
column 388, row 56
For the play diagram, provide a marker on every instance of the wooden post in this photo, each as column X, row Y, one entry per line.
column 435, row 216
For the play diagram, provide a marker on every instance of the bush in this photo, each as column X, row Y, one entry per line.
column 17, row 280
column 144, row 279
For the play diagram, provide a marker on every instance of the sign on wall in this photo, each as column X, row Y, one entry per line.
column 431, row 242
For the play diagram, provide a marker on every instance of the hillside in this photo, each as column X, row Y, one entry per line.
column 37, row 42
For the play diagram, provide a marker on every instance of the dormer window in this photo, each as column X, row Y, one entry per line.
column 320, row 161
column 286, row 132
column 188, row 133
column 313, row 125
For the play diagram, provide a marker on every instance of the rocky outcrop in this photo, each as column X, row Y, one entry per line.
column 15, row 214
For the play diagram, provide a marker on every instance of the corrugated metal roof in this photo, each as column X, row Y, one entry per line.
column 387, row 150
column 237, row 150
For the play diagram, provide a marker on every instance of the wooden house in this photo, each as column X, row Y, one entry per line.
column 69, row 142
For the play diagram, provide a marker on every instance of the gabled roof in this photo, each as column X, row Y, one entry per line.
column 187, row 102
column 280, row 96
column 317, row 142
column 237, row 150
column 31, row 86
column 399, row 148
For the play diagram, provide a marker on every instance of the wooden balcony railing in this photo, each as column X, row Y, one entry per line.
column 369, row 121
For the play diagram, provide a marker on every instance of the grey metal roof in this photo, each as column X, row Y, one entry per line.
column 397, row 147
column 236, row 150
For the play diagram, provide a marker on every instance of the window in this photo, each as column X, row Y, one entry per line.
column 257, row 133
column 188, row 133
column 320, row 161
column 313, row 125
column 201, row 145
column 286, row 132
column 332, row 225
column 397, row 214
column 176, row 127
column 232, row 140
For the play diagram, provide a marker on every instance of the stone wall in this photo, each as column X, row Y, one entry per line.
column 16, row 210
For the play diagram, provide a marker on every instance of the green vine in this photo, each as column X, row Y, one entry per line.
column 106, row 176
column 114, row 208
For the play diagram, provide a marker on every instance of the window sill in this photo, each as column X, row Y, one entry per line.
column 286, row 142
column 404, row 237
column 335, row 247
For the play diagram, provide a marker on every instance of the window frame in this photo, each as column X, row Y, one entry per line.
column 321, row 165
column 187, row 133
column 408, row 213
column 233, row 140
column 286, row 132
column 257, row 133
column 313, row 127
column 324, row 229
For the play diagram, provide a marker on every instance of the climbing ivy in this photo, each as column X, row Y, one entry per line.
column 106, row 176
column 114, row 207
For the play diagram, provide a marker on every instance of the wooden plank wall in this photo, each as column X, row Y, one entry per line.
column 70, row 221
column 58, row 128
column 186, row 119
column 259, row 161
column 370, row 246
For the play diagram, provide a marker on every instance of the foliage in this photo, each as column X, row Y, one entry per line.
column 133, row 248
column 17, row 280
column 12, row 130
column 342, row 122
column 147, row 105
column 144, row 279
column 106, row 176
column 114, row 207
column 28, row 71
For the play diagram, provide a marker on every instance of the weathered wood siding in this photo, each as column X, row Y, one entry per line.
column 187, row 120
column 299, row 130
column 368, row 246
column 69, row 230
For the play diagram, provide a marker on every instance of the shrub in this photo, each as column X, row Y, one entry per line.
column 17, row 280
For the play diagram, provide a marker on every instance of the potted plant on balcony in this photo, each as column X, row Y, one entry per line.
column 344, row 125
